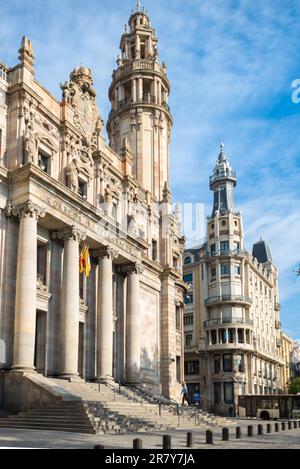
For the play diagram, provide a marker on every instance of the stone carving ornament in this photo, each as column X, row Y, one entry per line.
column 80, row 94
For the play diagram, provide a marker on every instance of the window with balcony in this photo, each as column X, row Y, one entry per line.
column 191, row 368
column 225, row 269
column 228, row 393
column 227, row 363
column 188, row 278
column 188, row 320
column 222, row 336
column 189, row 299
column 231, row 336
column 240, row 336
column 188, row 340
column 224, row 247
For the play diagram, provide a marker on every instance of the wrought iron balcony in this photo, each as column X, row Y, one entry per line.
column 225, row 321
column 222, row 175
column 227, row 299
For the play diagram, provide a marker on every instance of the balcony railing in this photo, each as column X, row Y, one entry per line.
column 146, row 99
column 222, row 175
column 226, row 252
column 226, row 321
column 227, row 298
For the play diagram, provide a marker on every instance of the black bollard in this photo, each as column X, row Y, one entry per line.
column 295, row 424
column 269, row 430
column 209, row 437
column 238, row 433
column 167, row 442
column 283, row 426
column 99, row 447
column 260, row 430
column 137, row 444
column 289, row 425
column 250, row 430
column 190, row 440
column 276, row 427
column 299, row 423
column 225, row 434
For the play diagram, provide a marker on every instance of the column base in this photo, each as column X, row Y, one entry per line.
column 23, row 369
column 70, row 377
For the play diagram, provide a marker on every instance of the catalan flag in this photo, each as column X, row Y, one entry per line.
column 85, row 261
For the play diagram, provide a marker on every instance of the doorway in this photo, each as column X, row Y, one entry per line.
column 40, row 342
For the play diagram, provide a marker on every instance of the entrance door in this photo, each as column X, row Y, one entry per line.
column 81, row 350
column 40, row 342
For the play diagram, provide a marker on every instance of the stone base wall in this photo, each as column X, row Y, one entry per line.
column 20, row 392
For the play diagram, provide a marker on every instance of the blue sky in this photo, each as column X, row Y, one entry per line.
column 231, row 66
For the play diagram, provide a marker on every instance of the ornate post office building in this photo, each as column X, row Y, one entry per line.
column 61, row 184
column 232, row 323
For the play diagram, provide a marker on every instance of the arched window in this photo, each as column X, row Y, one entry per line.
column 187, row 260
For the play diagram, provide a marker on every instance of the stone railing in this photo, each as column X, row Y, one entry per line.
column 226, row 321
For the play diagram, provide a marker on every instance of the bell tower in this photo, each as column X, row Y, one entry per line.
column 139, row 104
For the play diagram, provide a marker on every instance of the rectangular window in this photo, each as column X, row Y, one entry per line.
column 188, row 278
column 213, row 272
column 222, row 336
column 240, row 336
column 228, row 393
column 224, row 247
column 178, row 318
column 237, row 270
column 213, row 337
column 178, row 369
column 154, row 250
column 231, row 336
column 217, row 360
column 82, row 189
column 188, row 320
column 44, row 162
column 202, row 272
column 227, row 363
column 213, row 250
column 191, row 368
column 225, row 269
column 217, row 393
column 189, row 299
column 188, row 340
column 236, row 247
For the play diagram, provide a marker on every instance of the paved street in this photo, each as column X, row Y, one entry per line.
column 11, row 438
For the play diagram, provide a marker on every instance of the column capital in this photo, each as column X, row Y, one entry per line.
column 107, row 253
column 27, row 209
column 136, row 268
column 73, row 232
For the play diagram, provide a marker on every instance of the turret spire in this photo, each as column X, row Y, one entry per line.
column 222, row 183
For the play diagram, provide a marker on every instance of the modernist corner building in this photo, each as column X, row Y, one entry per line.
column 234, row 344
column 62, row 185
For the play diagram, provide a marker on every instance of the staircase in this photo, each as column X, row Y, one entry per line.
column 123, row 410
column 69, row 416
column 86, row 409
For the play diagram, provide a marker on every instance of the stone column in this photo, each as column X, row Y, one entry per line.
column 140, row 89
column 105, row 314
column 133, row 90
column 133, row 332
column 70, row 303
column 26, row 284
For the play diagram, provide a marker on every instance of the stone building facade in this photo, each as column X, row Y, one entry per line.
column 61, row 185
column 232, row 319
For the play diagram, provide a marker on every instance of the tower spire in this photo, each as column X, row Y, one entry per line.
column 222, row 183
